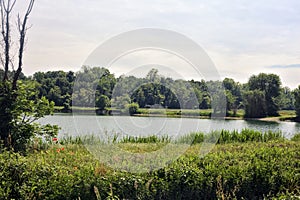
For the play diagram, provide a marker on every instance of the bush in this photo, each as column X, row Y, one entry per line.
column 296, row 137
column 19, row 110
column 133, row 108
column 240, row 171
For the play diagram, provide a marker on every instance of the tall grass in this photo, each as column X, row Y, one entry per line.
column 225, row 137
column 218, row 137
column 230, row 171
column 296, row 137
column 147, row 139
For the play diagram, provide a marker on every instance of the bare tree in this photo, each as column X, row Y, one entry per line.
column 9, row 85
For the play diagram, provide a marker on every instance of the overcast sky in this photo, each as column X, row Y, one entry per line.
column 241, row 37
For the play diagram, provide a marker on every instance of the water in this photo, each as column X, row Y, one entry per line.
column 143, row 126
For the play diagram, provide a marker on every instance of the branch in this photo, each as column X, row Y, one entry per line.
column 12, row 6
column 5, row 14
column 22, row 31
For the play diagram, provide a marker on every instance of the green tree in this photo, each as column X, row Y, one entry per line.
column 102, row 102
column 233, row 95
column 106, row 83
column 90, row 84
column 286, row 99
column 231, row 102
column 133, row 108
column 19, row 105
column 269, row 84
column 153, row 76
column 296, row 93
column 28, row 108
column 255, row 105
column 120, row 102
column 55, row 85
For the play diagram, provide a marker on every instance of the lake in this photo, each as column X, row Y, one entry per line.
column 142, row 126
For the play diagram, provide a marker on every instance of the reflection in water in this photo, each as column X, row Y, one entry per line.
column 142, row 126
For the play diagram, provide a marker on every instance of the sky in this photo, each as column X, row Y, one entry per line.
column 241, row 37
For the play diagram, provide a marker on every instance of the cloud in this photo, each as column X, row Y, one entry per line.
column 292, row 66
column 243, row 37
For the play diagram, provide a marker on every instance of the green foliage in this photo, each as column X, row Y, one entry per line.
column 57, row 86
column 297, row 101
column 225, row 137
column 151, row 94
column 269, row 84
column 230, row 171
column 132, row 108
column 90, row 84
column 102, row 102
column 233, row 95
column 286, row 99
column 296, row 137
column 204, row 113
column 218, row 98
column 98, row 87
column 147, row 139
column 255, row 104
column 11, row 74
column 120, row 102
column 24, row 109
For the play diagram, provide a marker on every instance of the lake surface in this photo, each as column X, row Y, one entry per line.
column 142, row 126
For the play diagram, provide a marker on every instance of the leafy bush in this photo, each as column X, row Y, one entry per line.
column 133, row 108
column 240, row 171
column 19, row 111
column 296, row 137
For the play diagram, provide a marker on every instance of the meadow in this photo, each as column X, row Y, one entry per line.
column 242, row 165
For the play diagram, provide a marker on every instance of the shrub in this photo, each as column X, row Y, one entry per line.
column 230, row 171
column 18, row 116
column 296, row 137
column 133, row 108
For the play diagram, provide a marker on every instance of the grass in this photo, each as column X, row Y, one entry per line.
column 243, row 165
column 286, row 115
column 252, row 170
column 175, row 112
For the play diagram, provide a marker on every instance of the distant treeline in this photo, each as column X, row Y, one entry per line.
column 263, row 94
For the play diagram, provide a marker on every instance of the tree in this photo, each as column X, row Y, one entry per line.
column 153, row 76
column 55, row 85
column 255, row 105
column 133, row 108
column 90, row 84
column 231, row 102
column 233, row 95
column 296, row 93
column 286, row 99
column 19, row 105
column 269, row 84
column 102, row 102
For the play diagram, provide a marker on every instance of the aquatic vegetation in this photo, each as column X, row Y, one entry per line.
column 246, row 164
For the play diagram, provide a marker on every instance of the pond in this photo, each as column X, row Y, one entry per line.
column 78, row 125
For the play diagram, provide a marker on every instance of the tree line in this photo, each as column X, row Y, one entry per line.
column 263, row 94
column 23, row 100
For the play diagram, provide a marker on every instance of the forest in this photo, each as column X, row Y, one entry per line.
column 263, row 95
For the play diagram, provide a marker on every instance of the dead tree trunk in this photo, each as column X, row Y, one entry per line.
column 8, row 86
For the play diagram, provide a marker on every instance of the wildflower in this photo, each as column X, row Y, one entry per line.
column 62, row 149
column 54, row 139
column 58, row 150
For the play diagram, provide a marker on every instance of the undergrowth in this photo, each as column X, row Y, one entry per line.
column 244, row 165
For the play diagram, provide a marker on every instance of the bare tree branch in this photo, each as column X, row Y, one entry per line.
column 6, row 34
column 22, row 26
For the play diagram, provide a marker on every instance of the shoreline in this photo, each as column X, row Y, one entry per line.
column 265, row 119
